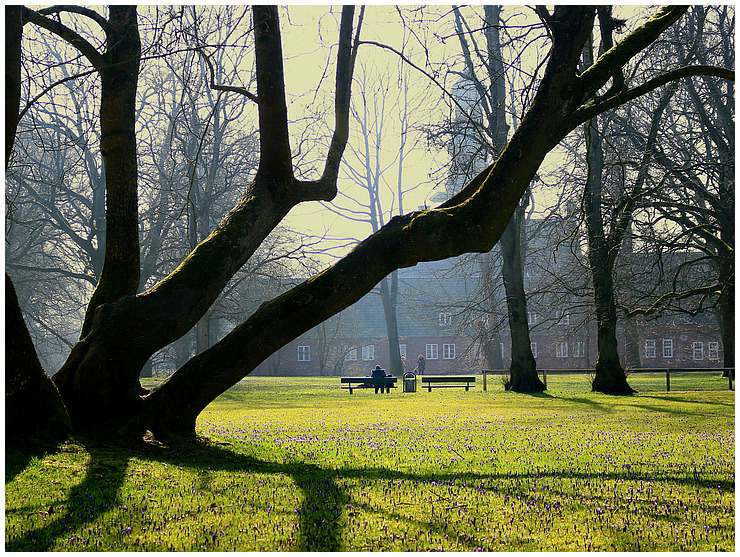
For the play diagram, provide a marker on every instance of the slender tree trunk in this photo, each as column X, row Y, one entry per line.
column 523, row 368
column 389, row 296
column 610, row 377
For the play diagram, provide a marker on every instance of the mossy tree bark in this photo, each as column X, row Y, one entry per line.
column 99, row 382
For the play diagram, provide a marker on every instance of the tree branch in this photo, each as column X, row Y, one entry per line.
column 273, row 112
column 227, row 88
column 599, row 106
column 613, row 60
column 92, row 14
column 64, row 32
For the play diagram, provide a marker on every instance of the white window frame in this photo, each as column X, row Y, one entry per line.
column 531, row 318
column 350, row 353
column 503, row 351
column 432, row 352
column 368, row 353
column 579, row 349
column 474, row 352
column 402, row 350
column 561, row 350
column 650, row 348
column 448, row 351
column 563, row 317
column 304, row 353
column 668, row 348
column 698, row 350
column 533, row 346
column 713, row 350
column 444, row 319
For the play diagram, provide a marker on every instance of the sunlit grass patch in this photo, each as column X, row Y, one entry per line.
column 299, row 464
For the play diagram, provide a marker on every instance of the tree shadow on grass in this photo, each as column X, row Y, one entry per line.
column 670, row 398
column 319, row 517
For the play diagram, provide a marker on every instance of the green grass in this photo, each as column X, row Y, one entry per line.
column 298, row 464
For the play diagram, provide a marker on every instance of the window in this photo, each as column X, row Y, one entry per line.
column 368, row 352
column 474, row 353
column 402, row 350
column 304, row 353
column 531, row 318
column 650, row 348
column 579, row 349
column 668, row 348
column 350, row 353
column 444, row 319
column 534, row 349
column 502, row 350
column 713, row 350
column 528, row 273
column 563, row 317
column 432, row 351
column 448, row 351
column 698, row 351
column 561, row 350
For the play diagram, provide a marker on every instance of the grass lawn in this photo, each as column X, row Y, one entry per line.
column 298, row 464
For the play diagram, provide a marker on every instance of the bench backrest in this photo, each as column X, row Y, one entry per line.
column 448, row 379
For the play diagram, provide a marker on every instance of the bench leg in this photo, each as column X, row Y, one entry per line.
column 466, row 387
column 350, row 390
column 430, row 388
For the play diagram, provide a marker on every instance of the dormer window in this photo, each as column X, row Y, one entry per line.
column 444, row 319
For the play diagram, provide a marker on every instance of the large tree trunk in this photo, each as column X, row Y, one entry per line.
column 523, row 368
column 32, row 403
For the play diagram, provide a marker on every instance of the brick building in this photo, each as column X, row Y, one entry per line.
column 435, row 320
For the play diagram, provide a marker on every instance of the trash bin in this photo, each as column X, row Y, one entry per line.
column 409, row 382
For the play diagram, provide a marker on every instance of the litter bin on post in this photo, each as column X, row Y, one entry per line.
column 409, row 382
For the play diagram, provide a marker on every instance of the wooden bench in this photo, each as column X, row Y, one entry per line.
column 442, row 381
column 382, row 383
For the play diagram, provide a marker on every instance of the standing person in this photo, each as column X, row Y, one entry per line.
column 421, row 364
